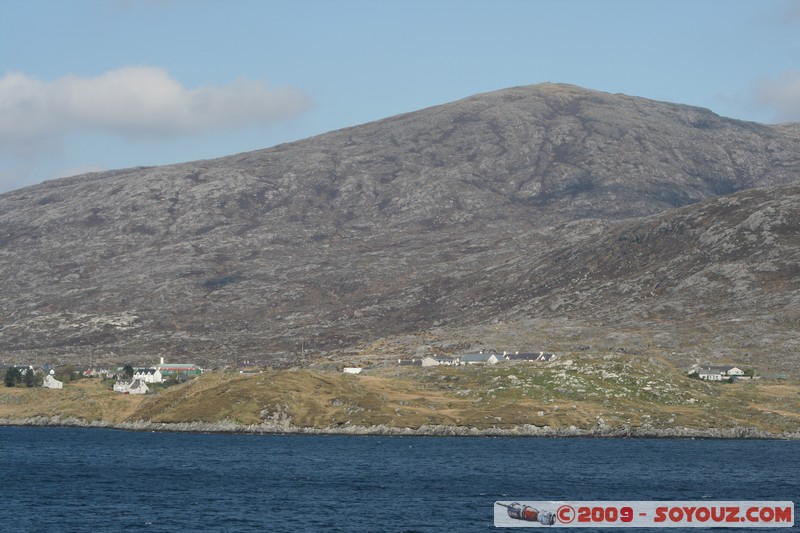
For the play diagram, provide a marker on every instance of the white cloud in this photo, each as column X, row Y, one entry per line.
column 134, row 101
column 780, row 95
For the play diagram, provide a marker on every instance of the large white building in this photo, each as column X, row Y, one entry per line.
column 148, row 375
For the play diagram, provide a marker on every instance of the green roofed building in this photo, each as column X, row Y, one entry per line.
column 171, row 369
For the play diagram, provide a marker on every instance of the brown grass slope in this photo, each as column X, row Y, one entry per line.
column 588, row 392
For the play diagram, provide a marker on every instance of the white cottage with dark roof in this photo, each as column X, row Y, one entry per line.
column 148, row 375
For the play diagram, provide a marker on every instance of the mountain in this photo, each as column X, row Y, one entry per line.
column 548, row 202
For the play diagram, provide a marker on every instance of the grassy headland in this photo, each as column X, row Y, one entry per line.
column 595, row 393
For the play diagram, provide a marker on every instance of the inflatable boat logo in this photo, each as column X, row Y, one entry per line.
column 527, row 513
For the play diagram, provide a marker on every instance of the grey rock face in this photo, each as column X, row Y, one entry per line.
column 516, row 203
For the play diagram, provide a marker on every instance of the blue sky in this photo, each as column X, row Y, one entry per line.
column 89, row 85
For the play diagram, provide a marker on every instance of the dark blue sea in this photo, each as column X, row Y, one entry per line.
column 60, row 479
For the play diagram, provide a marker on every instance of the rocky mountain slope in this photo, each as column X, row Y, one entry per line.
column 519, row 204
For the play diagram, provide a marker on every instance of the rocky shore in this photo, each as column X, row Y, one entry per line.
column 526, row 430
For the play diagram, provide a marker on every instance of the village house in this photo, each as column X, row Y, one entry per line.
column 540, row 357
column 136, row 386
column 98, row 373
column 719, row 373
column 437, row 360
column 52, row 383
column 480, row 359
column 148, row 375
column 529, row 357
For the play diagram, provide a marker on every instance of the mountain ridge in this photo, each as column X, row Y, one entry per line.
column 393, row 227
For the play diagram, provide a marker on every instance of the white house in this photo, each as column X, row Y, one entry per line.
column 148, row 375
column 732, row 371
column 136, row 386
column 541, row 357
column 52, row 383
column 437, row 360
column 352, row 370
column 719, row 373
column 480, row 359
column 709, row 375
column 98, row 373
column 529, row 356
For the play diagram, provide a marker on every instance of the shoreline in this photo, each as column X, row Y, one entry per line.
column 527, row 430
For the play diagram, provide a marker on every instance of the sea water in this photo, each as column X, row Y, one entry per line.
column 62, row 479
